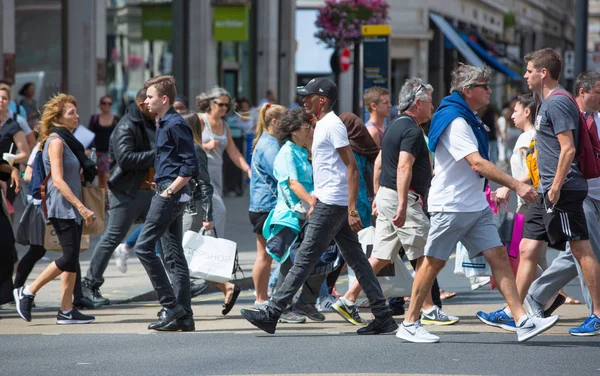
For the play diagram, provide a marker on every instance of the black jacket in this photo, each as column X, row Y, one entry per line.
column 132, row 151
column 203, row 190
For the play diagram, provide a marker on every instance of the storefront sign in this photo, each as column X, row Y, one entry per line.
column 157, row 22
column 376, row 57
column 230, row 23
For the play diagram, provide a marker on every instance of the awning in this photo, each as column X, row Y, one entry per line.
column 492, row 61
column 456, row 40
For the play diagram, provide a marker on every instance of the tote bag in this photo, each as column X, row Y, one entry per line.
column 208, row 257
column 93, row 199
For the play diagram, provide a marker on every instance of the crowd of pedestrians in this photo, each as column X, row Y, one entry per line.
column 316, row 180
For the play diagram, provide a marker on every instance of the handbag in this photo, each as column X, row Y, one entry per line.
column 93, row 199
column 470, row 267
column 51, row 242
column 210, row 258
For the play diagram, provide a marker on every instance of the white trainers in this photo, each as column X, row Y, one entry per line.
column 532, row 326
column 121, row 256
column 324, row 303
column 416, row 333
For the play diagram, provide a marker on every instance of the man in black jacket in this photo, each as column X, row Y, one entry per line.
column 132, row 153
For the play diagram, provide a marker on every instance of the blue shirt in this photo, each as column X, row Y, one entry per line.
column 175, row 154
column 262, row 199
column 292, row 163
column 12, row 106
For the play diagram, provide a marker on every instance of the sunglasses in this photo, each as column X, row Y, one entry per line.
column 109, row 103
column 485, row 87
column 222, row 105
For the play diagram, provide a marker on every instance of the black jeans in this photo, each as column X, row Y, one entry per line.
column 329, row 222
column 68, row 232
column 163, row 223
column 310, row 289
column 123, row 211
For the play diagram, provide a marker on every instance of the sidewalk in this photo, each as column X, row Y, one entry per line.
column 134, row 286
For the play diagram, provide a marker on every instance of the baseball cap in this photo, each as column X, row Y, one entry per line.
column 320, row 86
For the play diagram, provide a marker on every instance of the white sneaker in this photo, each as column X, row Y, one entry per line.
column 416, row 333
column 121, row 256
column 324, row 305
column 532, row 326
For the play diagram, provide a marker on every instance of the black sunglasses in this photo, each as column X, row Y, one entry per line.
column 221, row 104
column 485, row 87
column 109, row 103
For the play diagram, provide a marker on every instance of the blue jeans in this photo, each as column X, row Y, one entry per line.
column 329, row 222
column 163, row 223
column 132, row 239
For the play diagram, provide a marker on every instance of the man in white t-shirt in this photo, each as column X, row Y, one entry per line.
column 458, row 205
column 332, row 215
column 564, row 268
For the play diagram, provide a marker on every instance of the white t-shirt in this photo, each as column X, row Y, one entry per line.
column 329, row 171
column 594, row 184
column 455, row 186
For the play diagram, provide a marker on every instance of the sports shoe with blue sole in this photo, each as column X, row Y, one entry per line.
column 590, row 327
column 499, row 319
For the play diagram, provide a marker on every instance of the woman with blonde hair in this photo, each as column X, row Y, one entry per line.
column 263, row 192
column 216, row 139
column 63, row 157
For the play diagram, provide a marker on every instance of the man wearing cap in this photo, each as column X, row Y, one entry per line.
column 332, row 215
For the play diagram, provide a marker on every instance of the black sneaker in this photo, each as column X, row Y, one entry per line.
column 560, row 300
column 381, row 325
column 24, row 303
column 308, row 310
column 264, row 320
column 73, row 317
column 93, row 294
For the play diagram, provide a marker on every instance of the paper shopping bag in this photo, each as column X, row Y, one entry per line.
column 93, row 199
column 51, row 241
column 210, row 258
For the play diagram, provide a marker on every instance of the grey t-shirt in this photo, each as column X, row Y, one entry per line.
column 557, row 114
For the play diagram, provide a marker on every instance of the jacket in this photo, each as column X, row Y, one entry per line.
column 132, row 151
column 202, row 190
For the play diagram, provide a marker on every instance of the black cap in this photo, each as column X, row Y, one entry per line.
column 320, row 86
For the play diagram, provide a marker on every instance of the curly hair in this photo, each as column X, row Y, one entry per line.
column 52, row 114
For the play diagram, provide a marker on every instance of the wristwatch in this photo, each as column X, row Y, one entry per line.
column 169, row 191
column 353, row 213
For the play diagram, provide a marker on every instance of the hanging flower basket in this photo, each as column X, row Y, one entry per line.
column 340, row 22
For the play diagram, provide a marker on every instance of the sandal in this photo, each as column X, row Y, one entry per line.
column 228, row 306
column 444, row 295
column 569, row 300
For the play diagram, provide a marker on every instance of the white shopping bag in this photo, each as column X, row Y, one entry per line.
column 395, row 279
column 475, row 267
column 210, row 258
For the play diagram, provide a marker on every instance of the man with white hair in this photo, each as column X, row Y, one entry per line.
column 458, row 205
column 401, row 177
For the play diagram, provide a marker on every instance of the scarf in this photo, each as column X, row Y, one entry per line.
column 89, row 167
column 361, row 141
column 452, row 107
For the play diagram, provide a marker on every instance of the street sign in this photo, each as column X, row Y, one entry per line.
column 344, row 60
column 569, row 64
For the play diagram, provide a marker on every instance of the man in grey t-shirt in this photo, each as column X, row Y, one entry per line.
column 557, row 216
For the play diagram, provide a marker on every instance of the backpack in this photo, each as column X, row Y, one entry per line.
column 531, row 156
column 38, row 176
column 588, row 150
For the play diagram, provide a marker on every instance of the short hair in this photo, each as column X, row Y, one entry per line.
column 373, row 95
column 586, row 81
column 141, row 95
column 6, row 88
column 204, row 100
column 25, row 87
column 465, row 76
column 290, row 122
column 546, row 58
column 165, row 85
column 413, row 89
column 528, row 101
